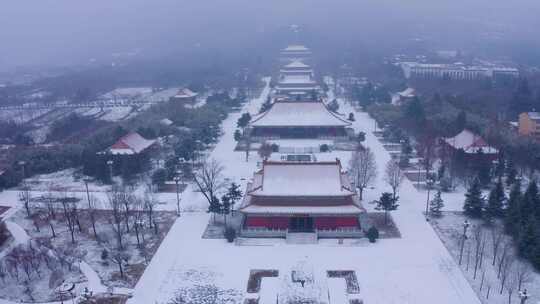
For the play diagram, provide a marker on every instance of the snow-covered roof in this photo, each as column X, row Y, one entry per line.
column 298, row 114
column 470, row 143
column 132, row 143
column 534, row 115
column 166, row 122
column 343, row 209
column 185, row 93
column 296, row 79
column 407, row 93
column 301, row 179
column 296, row 48
column 297, row 64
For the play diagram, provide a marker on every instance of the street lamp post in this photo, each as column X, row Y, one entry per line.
column 23, row 164
column 177, row 180
column 86, row 181
column 429, row 184
column 463, row 238
column 110, row 164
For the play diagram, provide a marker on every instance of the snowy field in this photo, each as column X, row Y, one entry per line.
column 21, row 115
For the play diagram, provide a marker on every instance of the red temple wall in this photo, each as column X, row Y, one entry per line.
column 267, row 222
column 332, row 222
column 329, row 222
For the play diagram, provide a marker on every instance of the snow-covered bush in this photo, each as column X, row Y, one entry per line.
column 230, row 234
column 372, row 234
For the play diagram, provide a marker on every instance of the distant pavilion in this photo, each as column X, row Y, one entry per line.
column 296, row 80
column 298, row 119
column 293, row 52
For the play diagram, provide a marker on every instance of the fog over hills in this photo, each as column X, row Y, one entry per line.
column 63, row 31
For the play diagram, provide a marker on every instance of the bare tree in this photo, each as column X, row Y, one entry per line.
column 149, row 206
column 393, row 176
column 92, row 213
column 497, row 238
column 120, row 258
column 265, row 150
column 209, row 179
column 506, row 271
column 363, row 168
column 501, row 259
column 69, row 205
column 523, row 273
column 127, row 201
column 426, row 147
column 479, row 243
column 115, row 197
column 138, row 213
column 50, row 201
column 25, row 197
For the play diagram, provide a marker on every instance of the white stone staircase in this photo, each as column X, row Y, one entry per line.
column 301, row 238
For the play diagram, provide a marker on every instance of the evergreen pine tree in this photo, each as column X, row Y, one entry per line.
column 474, row 201
column 436, row 204
column 511, row 172
column 530, row 202
column 495, row 202
column 225, row 207
column 513, row 210
column 214, row 207
column 387, row 202
column 483, row 168
column 529, row 239
column 234, row 193
column 501, row 165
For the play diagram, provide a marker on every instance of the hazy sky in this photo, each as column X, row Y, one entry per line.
column 64, row 31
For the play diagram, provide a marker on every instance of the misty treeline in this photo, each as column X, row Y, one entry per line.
column 429, row 118
column 192, row 130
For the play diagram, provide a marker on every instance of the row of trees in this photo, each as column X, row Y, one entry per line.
column 520, row 213
column 129, row 215
column 38, row 259
column 492, row 260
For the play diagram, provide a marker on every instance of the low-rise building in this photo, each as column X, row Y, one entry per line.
column 185, row 95
column 471, row 144
column 294, row 52
column 529, row 124
column 456, row 71
column 131, row 144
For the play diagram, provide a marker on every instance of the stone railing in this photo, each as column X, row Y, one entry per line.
column 263, row 232
column 352, row 232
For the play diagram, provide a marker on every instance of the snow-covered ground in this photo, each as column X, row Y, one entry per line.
column 450, row 229
column 116, row 113
column 21, row 115
column 414, row 269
